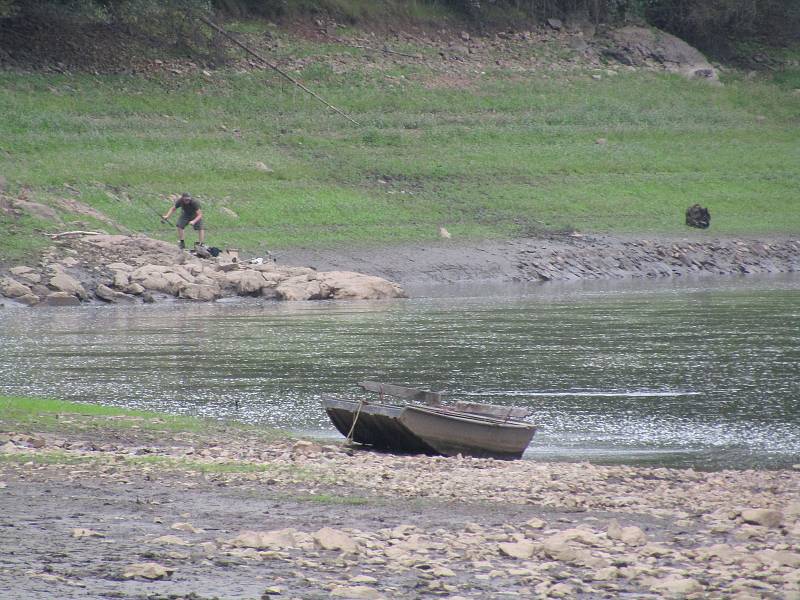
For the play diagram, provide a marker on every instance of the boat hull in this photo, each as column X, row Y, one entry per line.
column 429, row 430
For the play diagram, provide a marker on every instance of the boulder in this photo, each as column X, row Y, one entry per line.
column 148, row 570
column 28, row 299
column 168, row 280
column 766, row 517
column 630, row 536
column 346, row 285
column 11, row 288
column 675, row 586
column 21, row 270
column 302, row 288
column 249, row 283
column 522, row 550
column 61, row 282
column 779, row 558
column 105, row 293
column 121, row 279
column 641, row 46
column 134, row 289
column 328, row 538
column 356, row 592
column 204, row 293
column 534, row 524
column 277, row 539
column 61, row 299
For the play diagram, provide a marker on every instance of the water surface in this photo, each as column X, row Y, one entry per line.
column 702, row 374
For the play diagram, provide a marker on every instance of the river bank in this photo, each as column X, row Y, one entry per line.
column 131, row 269
column 569, row 257
column 145, row 511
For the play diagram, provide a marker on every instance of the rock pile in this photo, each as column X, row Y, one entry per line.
column 119, row 269
column 586, row 258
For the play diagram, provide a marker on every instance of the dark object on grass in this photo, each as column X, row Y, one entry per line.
column 697, row 216
column 426, row 426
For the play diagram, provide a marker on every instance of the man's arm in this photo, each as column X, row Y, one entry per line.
column 169, row 213
column 197, row 218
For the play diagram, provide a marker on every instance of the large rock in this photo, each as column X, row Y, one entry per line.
column 148, row 570
column 105, row 293
column 61, row 282
column 522, row 550
column 356, row 592
column 28, row 274
column 328, row 538
column 675, row 587
column 61, row 299
column 165, row 279
column 263, row 540
column 779, row 558
column 249, row 283
column 642, row 46
column 346, row 285
column 630, row 536
column 121, row 279
column 205, row 293
column 28, row 299
column 301, row 288
column 558, row 548
column 11, row 288
column 766, row 517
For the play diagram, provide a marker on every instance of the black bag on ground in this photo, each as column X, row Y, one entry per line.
column 697, row 216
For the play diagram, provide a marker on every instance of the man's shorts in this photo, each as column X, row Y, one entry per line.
column 183, row 221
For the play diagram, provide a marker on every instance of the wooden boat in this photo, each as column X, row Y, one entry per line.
column 425, row 426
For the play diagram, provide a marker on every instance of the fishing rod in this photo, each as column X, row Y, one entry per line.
column 158, row 212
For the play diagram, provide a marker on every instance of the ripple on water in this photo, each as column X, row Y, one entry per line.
column 705, row 374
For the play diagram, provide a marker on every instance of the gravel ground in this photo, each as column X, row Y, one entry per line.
column 89, row 511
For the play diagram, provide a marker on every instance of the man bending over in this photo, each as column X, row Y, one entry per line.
column 190, row 215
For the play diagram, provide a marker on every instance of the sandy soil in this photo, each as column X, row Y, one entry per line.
column 232, row 515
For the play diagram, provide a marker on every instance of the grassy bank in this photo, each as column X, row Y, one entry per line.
column 494, row 153
column 44, row 414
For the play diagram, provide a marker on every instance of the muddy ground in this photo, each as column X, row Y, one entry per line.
column 568, row 257
column 92, row 510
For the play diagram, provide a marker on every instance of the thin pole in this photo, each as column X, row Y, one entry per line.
column 274, row 67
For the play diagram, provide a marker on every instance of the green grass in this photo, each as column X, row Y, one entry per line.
column 48, row 414
column 50, row 457
column 510, row 153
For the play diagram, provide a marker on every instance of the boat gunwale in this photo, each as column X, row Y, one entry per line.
column 442, row 411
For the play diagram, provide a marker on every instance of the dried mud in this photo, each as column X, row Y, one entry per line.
column 229, row 515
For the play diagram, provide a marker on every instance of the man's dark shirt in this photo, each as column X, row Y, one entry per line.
column 189, row 208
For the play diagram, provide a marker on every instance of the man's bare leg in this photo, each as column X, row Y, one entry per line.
column 181, row 242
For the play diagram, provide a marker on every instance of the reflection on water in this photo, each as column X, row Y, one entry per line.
column 704, row 374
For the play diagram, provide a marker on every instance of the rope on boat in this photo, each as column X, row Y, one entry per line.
column 361, row 404
column 349, row 439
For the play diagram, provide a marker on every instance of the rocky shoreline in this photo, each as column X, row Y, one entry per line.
column 564, row 258
column 134, row 269
column 143, row 513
